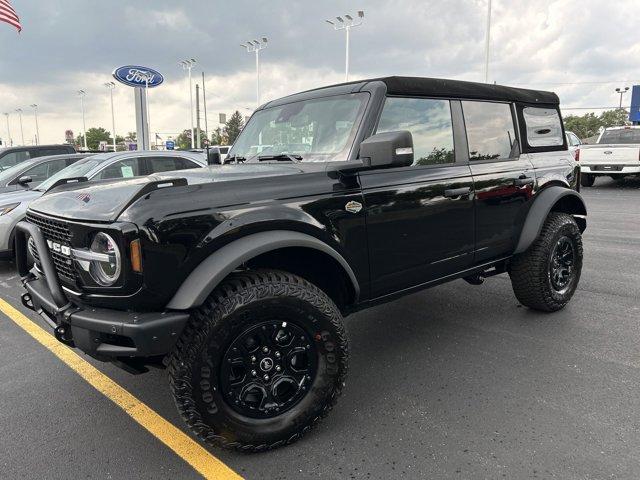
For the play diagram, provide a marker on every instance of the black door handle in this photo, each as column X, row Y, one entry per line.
column 522, row 181
column 457, row 192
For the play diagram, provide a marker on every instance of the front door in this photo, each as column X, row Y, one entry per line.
column 419, row 218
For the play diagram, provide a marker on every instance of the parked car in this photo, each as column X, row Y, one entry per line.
column 30, row 173
column 239, row 275
column 11, row 156
column 616, row 154
column 573, row 142
column 13, row 205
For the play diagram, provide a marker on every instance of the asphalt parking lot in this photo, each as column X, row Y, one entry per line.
column 453, row 382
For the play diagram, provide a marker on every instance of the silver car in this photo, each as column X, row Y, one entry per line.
column 104, row 166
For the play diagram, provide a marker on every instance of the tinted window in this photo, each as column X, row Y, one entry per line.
column 13, row 158
column 41, row 172
column 123, row 169
column 623, row 135
column 44, row 152
column 166, row 164
column 429, row 122
column 224, row 150
column 490, row 130
column 544, row 128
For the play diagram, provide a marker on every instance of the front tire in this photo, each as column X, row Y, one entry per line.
column 587, row 179
column 261, row 361
column 546, row 276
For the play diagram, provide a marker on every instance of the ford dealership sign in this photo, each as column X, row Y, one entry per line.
column 136, row 76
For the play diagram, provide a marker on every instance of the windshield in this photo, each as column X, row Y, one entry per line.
column 623, row 136
column 319, row 130
column 78, row 169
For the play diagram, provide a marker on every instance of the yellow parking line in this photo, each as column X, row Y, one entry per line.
column 174, row 438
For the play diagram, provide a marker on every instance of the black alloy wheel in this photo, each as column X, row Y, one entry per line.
column 561, row 264
column 267, row 369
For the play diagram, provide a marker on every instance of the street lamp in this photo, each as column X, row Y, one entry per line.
column 35, row 114
column 254, row 46
column 19, row 110
column 8, row 130
column 487, row 42
column 82, row 94
column 188, row 65
column 622, row 91
column 346, row 24
column 110, row 86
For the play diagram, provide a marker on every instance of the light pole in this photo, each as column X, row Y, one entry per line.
column 110, row 86
column 35, row 114
column 622, row 91
column 8, row 130
column 19, row 111
column 346, row 24
column 254, row 46
column 487, row 43
column 188, row 65
column 83, row 94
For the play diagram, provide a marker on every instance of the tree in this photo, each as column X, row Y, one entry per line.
column 95, row 135
column 183, row 141
column 588, row 124
column 218, row 137
column 233, row 127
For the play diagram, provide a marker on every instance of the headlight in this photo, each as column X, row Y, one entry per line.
column 102, row 260
column 4, row 209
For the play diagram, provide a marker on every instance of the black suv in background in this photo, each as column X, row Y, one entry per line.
column 330, row 201
column 11, row 156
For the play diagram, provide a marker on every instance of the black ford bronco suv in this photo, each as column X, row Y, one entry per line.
column 238, row 276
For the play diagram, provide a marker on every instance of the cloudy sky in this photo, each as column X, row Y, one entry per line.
column 582, row 49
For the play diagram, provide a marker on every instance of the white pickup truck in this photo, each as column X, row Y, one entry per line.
column 615, row 154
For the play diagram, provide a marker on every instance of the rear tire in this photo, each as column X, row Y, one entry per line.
column 546, row 276
column 587, row 179
column 261, row 361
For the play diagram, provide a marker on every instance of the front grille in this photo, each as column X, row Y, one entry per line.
column 56, row 231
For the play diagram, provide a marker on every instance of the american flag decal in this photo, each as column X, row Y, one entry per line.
column 9, row 15
column 84, row 197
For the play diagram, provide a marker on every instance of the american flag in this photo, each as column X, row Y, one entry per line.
column 9, row 15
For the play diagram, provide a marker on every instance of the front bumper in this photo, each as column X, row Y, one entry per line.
column 99, row 332
column 611, row 169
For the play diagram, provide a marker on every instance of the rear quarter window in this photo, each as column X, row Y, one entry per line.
column 543, row 127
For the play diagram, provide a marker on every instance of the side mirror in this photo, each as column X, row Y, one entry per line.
column 213, row 157
column 24, row 180
column 390, row 149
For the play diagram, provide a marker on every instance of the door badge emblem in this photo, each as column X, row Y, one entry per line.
column 353, row 207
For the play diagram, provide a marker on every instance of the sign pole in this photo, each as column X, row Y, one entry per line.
column 142, row 129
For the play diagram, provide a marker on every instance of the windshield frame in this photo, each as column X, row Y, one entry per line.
column 355, row 135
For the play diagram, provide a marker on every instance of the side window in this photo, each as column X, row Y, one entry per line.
column 13, row 158
column 544, row 128
column 45, row 152
column 490, row 130
column 41, row 172
column 575, row 140
column 166, row 164
column 123, row 169
column 429, row 122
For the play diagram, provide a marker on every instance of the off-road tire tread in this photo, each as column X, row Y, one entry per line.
column 528, row 270
column 236, row 291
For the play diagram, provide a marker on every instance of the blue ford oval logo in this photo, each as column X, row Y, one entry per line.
column 136, row 76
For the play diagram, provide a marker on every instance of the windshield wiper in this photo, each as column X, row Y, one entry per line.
column 280, row 157
column 234, row 158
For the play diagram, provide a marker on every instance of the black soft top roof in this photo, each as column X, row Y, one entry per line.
column 457, row 88
column 437, row 87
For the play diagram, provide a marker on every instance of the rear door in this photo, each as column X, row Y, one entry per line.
column 503, row 178
column 420, row 217
column 126, row 168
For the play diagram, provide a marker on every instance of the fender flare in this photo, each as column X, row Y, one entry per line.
column 211, row 271
column 542, row 205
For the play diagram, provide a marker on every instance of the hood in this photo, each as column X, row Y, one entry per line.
column 19, row 196
column 105, row 200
